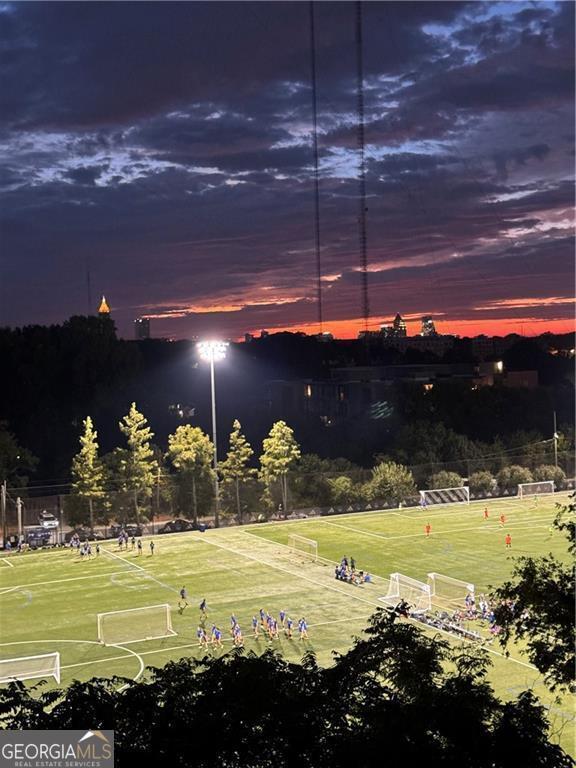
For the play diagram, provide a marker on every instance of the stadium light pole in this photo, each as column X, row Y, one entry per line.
column 213, row 352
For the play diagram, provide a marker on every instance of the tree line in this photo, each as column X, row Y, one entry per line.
column 138, row 480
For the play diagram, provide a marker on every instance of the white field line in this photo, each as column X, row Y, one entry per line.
column 250, row 636
column 286, row 570
column 62, row 581
column 140, row 568
column 504, row 503
column 6, row 562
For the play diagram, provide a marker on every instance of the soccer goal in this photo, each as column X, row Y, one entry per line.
column 416, row 593
column 134, row 625
column 30, row 667
column 449, row 590
column 445, row 496
column 526, row 490
column 303, row 545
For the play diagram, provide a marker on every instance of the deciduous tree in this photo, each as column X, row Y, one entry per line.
column 281, row 452
column 190, row 452
column 137, row 465
column 234, row 468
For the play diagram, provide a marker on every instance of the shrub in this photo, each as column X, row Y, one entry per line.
column 481, row 482
column 510, row 477
column 550, row 472
column 444, row 479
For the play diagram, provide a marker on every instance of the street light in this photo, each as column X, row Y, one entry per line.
column 213, row 352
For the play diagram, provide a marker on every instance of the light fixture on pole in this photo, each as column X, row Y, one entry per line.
column 213, row 352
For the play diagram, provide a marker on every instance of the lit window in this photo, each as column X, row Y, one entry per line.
column 308, row 390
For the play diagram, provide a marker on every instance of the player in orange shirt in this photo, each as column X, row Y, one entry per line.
column 508, row 541
column 502, row 520
column 486, row 514
column 428, row 530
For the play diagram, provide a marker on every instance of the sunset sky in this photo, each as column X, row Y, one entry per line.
column 166, row 149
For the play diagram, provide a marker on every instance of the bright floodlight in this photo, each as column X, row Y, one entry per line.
column 212, row 351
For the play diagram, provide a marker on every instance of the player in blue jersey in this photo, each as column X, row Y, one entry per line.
column 233, row 623
column 282, row 616
column 238, row 639
column 255, row 626
column 303, row 629
column 289, row 625
column 262, row 617
column 202, row 639
column 216, row 637
column 183, row 600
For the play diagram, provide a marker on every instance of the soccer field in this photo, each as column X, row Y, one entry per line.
column 50, row 599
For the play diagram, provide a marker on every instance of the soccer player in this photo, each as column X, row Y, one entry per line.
column 139, row 546
column 428, row 530
column 201, row 635
column 255, row 626
column 303, row 629
column 289, row 625
column 352, row 564
column 133, row 543
column 262, row 617
column 151, row 548
column 508, row 541
column 183, row 600
column 423, row 502
column 203, row 607
column 282, row 616
column 97, row 550
column 486, row 513
column 233, row 623
column 217, row 637
column 238, row 639
column 120, row 541
column 502, row 520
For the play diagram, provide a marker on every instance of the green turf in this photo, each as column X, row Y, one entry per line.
column 50, row 600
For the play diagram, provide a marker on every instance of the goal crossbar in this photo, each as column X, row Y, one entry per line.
column 459, row 495
column 303, row 545
column 134, row 625
column 415, row 592
column 449, row 588
column 30, row 667
column 536, row 488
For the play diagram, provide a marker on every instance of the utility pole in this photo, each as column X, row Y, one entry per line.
column 555, row 443
column 19, row 513
column 3, row 512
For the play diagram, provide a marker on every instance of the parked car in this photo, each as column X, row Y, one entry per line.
column 48, row 520
column 84, row 534
column 179, row 525
column 38, row 537
column 131, row 529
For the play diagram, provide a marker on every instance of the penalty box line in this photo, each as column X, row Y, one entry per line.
column 140, row 568
column 185, row 646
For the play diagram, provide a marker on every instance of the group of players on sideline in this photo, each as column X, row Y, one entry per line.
column 263, row 624
column 346, row 571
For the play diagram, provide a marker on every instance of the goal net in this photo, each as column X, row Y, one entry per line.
column 535, row 489
column 30, row 667
column 445, row 496
column 416, row 593
column 134, row 625
column 448, row 590
column 303, row 545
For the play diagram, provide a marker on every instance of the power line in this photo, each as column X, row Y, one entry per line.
column 361, row 167
column 316, row 170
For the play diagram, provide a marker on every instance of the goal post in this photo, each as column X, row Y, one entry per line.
column 416, row 593
column 30, row 667
column 432, row 496
column 303, row 546
column 449, row 590
column 151, row 622
column 535, row 489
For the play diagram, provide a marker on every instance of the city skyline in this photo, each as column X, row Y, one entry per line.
column 163, row 157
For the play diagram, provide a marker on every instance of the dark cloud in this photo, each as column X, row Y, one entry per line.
column 167, row 149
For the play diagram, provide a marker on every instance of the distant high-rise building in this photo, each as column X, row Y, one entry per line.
column 142, row 328
column 104, row 309
column 264, row 334
column 428, row 327
column 399, row 326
